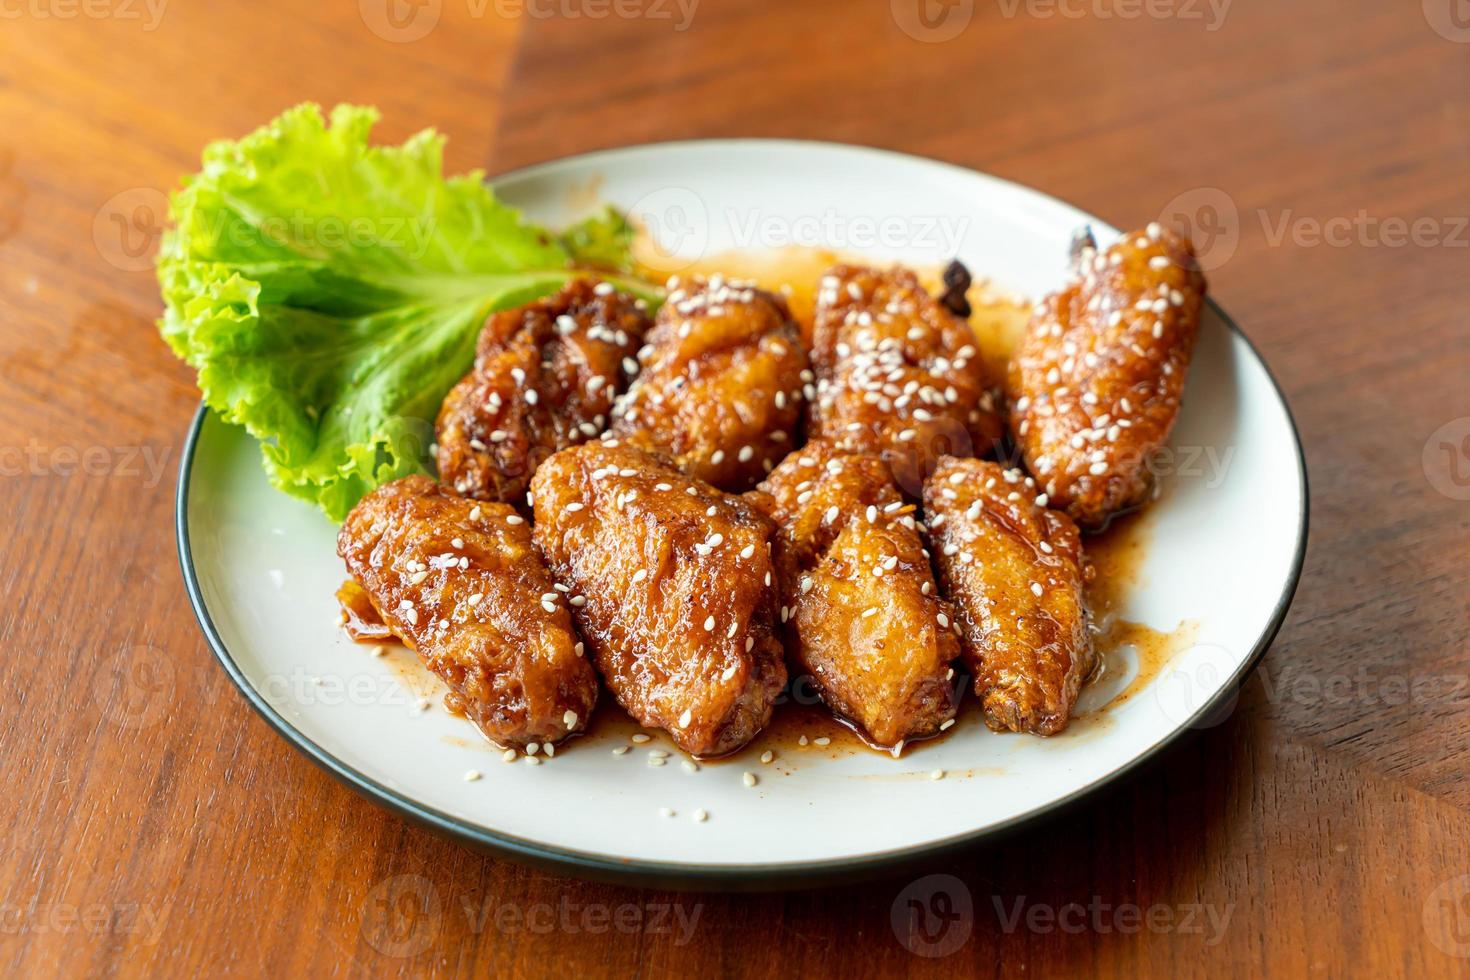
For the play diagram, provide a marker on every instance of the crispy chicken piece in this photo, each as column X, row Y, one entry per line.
column 672, row 587
column 1096, row 381
column 1016, row 574
column 863, row 617
column 545, row 377
column 722, row 383
column 898, row 374
column 462, row 585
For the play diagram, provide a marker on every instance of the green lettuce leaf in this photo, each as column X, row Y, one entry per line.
column 329, row 293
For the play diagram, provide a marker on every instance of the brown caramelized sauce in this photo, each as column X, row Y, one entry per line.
column 799, row 720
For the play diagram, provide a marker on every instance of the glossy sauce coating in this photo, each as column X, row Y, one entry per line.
column 1015, row 572
column 898, row 374
column 720, row 387
column 1096, row 382
column 863, row 617
column 672, row 587
column 461, row 584
column 545, row 377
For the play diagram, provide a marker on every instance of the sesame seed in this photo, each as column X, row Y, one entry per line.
column 748, row 778
column 717, row 457
column 531, row 396
column 1036, row 589
column 620, row 750
column 943, row 620
column 531, row 760
column 948, row 724
column 412, row 615
column 700, row 816
column 870, row 611
column 572, row 508
column 640, row 738
column 532, row 749
column 728, row 672
column 549, row 606
column 830, row 516
column 417, row 577
column 475, row 513
column 802, row 740
column 578, row 600
column 937, row 774
column 747, row 551
column 569, row 719
column 690, row 765
column 686, row 718
column 580, row 648
column 640, row 575
column 872, row 514
column 823, row 740
column 509, row 755
column 709, row 623
column 655, row 761
column 664, row 811
column 550, row 749
column 514, row 519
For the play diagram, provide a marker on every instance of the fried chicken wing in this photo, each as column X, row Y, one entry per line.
column 545, row 377
column 898, row 374
column 721, row 386
column 863, row 617
column 1015, row 571
column 1096, row 382
column 672, row 588
column 461, row 583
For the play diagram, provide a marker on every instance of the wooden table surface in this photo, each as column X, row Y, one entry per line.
column 154, row 825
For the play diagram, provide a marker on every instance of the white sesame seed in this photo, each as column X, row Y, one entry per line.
column 549, row 606
column 717, row 457
column 417, row 577
column 937, row 774
column 578, row 600
column 748, row 778
column 943, row 620
column 514, row 519
column 475, row 513
column 802, row 741
column 664, row 811
column 823, row 740
column 412, row 615
column 728, row 673
column 456, row 542
column 531, row 760
column 948, row 723
column 620, row 750
column 690, row 765
column 686, row 718
column 509, row 755
column 870, row 611
column 569, row 719
column 639, row 575
column 700, row 816
column 1036, row 589
column 709, row 623
column 531, row 396
column 572, row 508
column 640, row 738
column 655, row 761
column 747, row 551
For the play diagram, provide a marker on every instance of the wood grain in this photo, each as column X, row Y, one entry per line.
column 154, row 825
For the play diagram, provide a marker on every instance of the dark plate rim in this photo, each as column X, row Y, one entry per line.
column 676, row 874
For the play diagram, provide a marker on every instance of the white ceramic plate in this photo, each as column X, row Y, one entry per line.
column 1225, row 552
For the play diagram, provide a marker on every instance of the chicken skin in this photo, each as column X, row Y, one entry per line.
column 721, row 386
column 672, row 588
column 863, row 617
column 898, row 374
column 461, row 583
column 1015, row 572
column 1096, row 382
column 545, row 377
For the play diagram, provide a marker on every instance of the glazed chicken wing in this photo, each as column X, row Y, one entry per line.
column 462, row 584
column 862, row 615
column 1015, row 572
column 545, row 378
column 720, row 390
column 1096, row 381
column 672, row 588
column 898, row 374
